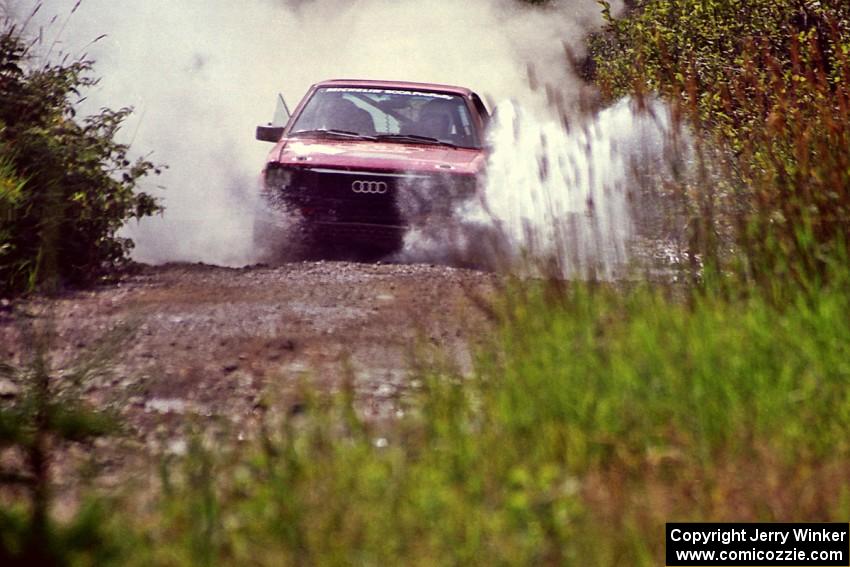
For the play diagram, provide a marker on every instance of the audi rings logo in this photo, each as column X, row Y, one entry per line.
column 369, row 187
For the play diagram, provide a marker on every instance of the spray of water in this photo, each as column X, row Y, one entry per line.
column 202, row 73
column 554, row 198
column 566, row 196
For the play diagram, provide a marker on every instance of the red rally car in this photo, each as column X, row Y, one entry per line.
column 365, row 160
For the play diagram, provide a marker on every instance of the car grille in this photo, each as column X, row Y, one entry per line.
column 372, row 197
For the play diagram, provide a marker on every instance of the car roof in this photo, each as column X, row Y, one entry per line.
column 434, row 87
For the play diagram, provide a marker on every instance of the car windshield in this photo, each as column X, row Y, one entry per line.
column 388, row 115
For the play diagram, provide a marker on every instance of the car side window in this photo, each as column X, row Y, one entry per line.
column 481, row 109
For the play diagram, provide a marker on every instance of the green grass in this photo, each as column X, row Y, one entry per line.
column 596, row 415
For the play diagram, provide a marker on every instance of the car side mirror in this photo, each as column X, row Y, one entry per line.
column 270, row 133
column 273, row 131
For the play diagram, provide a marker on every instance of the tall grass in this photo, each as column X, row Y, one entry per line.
column 41, row 416
column 764, row 87
column 594, row 416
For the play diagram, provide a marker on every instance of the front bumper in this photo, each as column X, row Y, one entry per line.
column 359, row 231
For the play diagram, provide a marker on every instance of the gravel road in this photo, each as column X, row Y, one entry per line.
column 210, row 343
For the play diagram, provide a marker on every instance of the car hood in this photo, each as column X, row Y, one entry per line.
column 378, row 156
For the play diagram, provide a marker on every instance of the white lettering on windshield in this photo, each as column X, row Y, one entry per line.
column 386, row 91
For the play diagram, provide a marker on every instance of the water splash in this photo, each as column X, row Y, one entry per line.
column 554, row 198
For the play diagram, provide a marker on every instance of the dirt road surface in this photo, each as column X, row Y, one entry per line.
column 209, row 344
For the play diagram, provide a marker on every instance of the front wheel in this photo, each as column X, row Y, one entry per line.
column 280, row 237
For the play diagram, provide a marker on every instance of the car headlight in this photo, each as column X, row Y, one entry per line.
column 278, row 177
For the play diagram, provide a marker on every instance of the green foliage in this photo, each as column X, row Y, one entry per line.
column 593, row 417
column 60, row 224
column 42, row 418
column 766, row 80
column 11, row 195
column 671, row 45
column 87, row 539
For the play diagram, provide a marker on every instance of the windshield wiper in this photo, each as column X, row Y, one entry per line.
column 333, row 132
column 415, row 138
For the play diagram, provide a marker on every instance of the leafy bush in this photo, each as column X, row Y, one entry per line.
column 766, row 82
column 60, row 225
column 695, row 49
